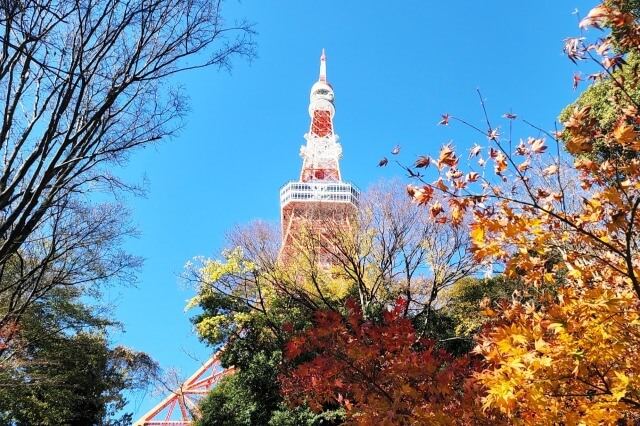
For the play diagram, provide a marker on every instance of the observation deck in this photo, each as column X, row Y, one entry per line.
column 319, row 191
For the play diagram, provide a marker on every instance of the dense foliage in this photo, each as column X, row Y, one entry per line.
column 61, row 369
column 257, row 304
column 382, row 372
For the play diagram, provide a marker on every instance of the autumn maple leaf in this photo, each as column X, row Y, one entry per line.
column 454, row 173
column 525, row 165
column 573, row 48
column 472, row 177
column 421, row 195
column 422, row 161
column 595, row 77
column 441, row 186
column 436, row 209
column 521, row 148
column 475, row 150
column 538, row 146
column 614, row 62
column 447, row 157
column 576, row 79
column 624, row 134
column 500, row 163
column 445, row 120
column 493, row 134
column 595, row 17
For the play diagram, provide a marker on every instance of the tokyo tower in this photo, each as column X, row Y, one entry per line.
column 319, row 197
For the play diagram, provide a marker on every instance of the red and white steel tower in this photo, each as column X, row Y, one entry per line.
column 318, row 196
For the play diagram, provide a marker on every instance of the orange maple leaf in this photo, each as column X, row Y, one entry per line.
column 500, row 163
column 447, row 156
column 624, row 133
column 472, row 177
column 422, row 161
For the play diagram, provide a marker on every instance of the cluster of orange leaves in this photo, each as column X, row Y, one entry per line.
column 571, row 355
column 575, row 354
column 380, row 372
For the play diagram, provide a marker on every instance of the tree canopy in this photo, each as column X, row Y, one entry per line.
column 61, row 368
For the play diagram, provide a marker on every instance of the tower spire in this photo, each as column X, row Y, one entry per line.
column 323, row 67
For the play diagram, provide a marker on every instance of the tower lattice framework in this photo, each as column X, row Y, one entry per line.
column 317, row 198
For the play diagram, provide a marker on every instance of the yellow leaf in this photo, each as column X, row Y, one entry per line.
column 556, row 327
column 477, row 235
column 518, row 339
column 624, row 380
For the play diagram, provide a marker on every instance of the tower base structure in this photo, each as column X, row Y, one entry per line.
column 181, row 407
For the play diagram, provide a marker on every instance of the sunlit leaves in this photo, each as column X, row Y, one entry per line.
column 436, row 209
column 473, row 152
column 573, row 360
column 447, row 157
column 421, row 195
column 538, row 146
column 569, row 234
column 579, row 126
column 625, row 134
column 572, row 47
column 500, row 163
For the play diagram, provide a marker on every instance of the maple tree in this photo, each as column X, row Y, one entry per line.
column 568, row 228
column 381, row 372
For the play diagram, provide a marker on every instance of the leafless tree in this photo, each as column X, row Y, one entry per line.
column 398, row 248
column 83, row 83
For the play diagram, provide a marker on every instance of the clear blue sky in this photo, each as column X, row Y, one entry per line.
column 395, row 68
